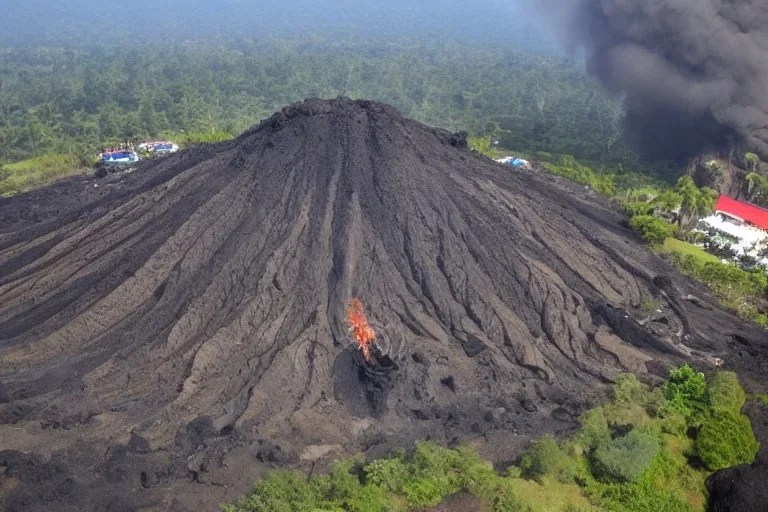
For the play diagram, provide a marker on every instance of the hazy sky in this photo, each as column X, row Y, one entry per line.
column 73, row 21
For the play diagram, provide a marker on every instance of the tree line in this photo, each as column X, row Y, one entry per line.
column 68, row 100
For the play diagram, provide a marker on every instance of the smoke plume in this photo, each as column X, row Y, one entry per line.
column 694, row 73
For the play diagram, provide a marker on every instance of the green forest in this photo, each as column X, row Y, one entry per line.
column 65, row 100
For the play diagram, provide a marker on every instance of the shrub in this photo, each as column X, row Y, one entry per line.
column 669, row 200
column 685, row 391
column 725, row 392
column 506, row 501
column 425, row 492
column 726, row 439
column 433, row 473
column 280, row 491
column 672, row 422
column 632, row 403
column 546, row 458
column 594, row 428
column 629, row 391
column 626, row 458
column 391, row 473
column 652, row 230
column 635, row 208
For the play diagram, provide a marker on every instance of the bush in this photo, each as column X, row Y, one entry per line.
column 653, row 230
column 629, row 391
column 726, row 439
column 280, row 491
column 545, row 458
column 594, row 428
column 669, row 200
column 506, row 501
column 725, row 392
column 391, row 473
column 685, row 391
column 673, row 423
column 626, row 458
column 635, row 208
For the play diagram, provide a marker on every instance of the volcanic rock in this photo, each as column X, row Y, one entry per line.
column 197, row 305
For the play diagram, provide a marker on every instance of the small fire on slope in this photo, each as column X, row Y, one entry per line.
column 358, row 325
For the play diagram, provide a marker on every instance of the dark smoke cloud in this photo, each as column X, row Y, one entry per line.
column 694, row 73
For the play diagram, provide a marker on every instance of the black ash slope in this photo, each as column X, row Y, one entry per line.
column 168, row 333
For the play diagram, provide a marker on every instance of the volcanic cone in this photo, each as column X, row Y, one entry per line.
column 166, row 334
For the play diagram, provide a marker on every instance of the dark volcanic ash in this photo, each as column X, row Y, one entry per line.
column 694, row 73
column 168, row 334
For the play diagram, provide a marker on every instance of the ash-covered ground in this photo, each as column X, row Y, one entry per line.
column 169, row 334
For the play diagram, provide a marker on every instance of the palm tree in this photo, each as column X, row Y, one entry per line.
column 695, row 202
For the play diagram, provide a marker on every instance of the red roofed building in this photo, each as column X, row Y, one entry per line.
column 743, row 211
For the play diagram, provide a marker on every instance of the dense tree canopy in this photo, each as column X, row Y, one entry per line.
column 64, row 100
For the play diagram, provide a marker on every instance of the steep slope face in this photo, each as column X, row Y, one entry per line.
column 186, row 324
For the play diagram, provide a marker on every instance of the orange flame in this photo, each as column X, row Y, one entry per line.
column 358, row 324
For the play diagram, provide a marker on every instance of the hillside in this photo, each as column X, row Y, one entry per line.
column 165, row 332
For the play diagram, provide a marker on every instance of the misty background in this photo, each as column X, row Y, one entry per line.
column 78, row 22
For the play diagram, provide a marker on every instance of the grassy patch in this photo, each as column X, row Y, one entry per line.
column 735, row 288
column 34, row 172
column 548, row 494
column 191, row 138
column 674, row 245
column 483, row 145
column 570, row 168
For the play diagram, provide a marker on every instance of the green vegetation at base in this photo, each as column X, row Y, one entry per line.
column 399, row 483
column 685, row 392
column 625, row 458
column 652, row 229
column 546, row 458
column 648, row 450
column 20, row 176
column 735, row 288
column 673, row 245
column 726, row 439
column 726, row 393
